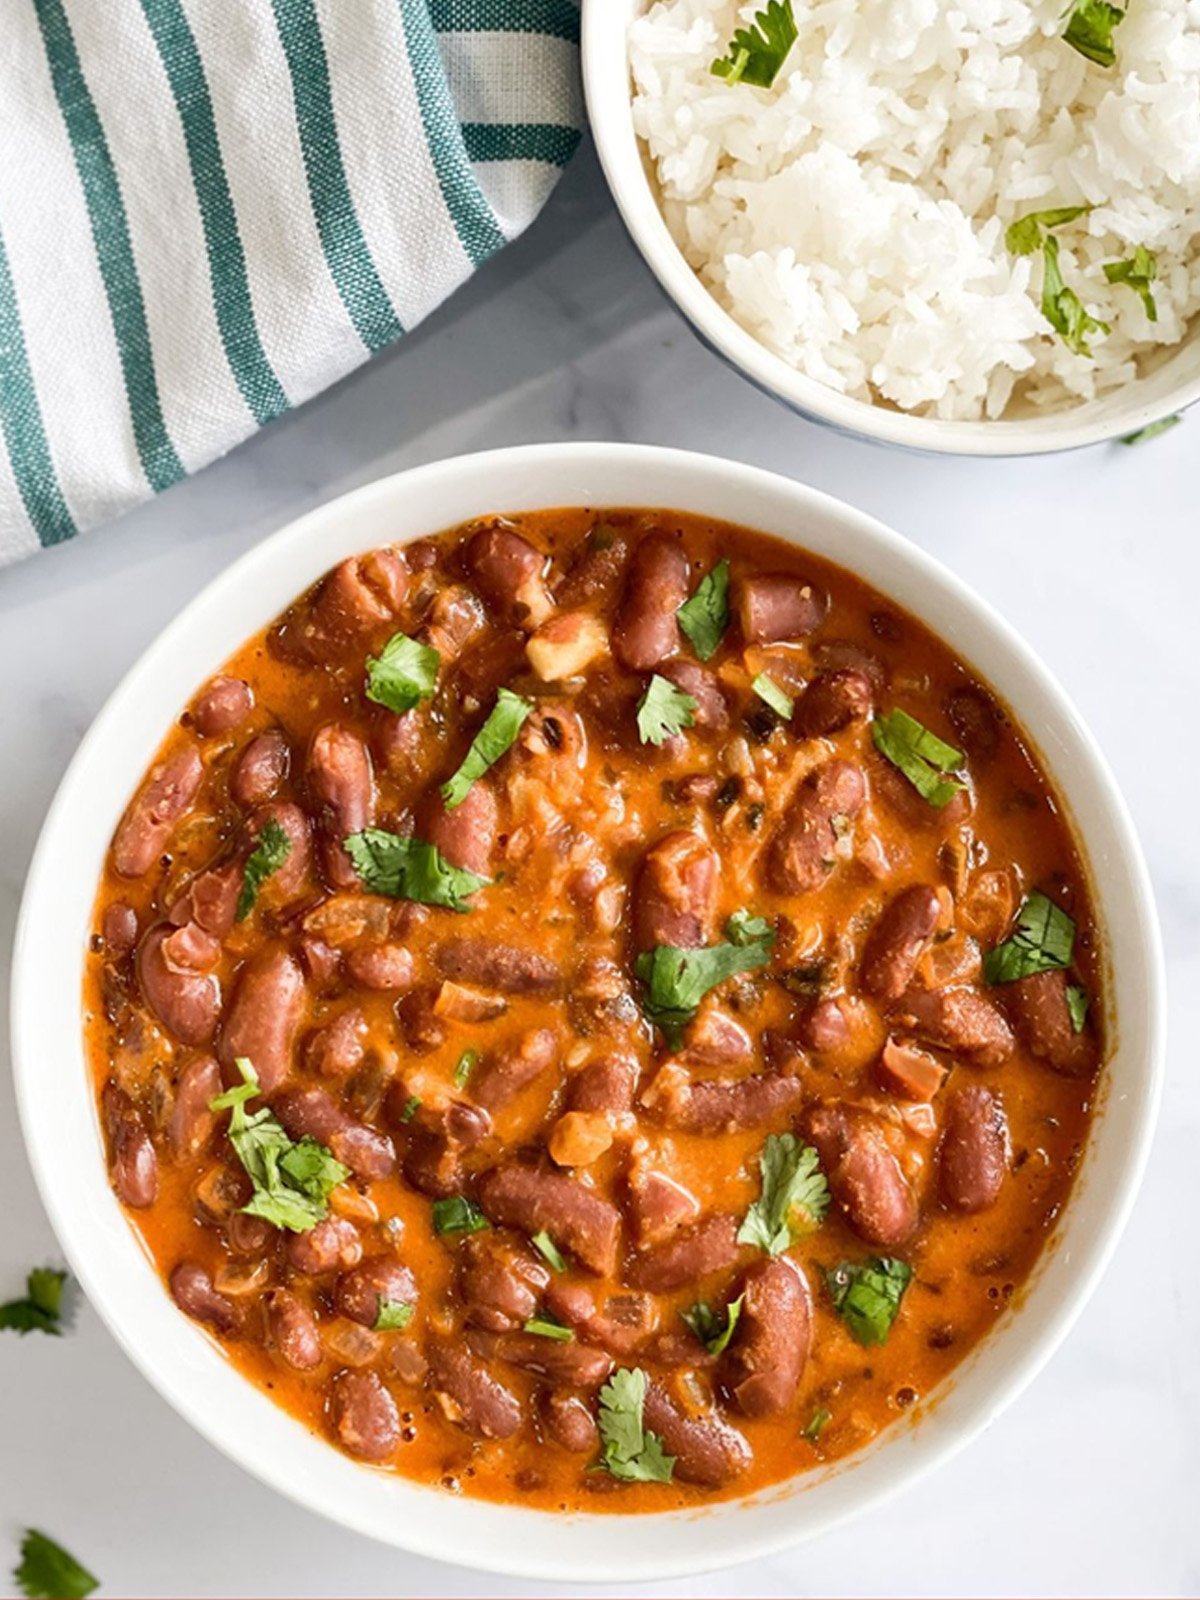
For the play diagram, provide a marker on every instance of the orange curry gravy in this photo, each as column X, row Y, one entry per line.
column 949, row 1114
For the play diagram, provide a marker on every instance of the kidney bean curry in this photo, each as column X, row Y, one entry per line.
column 598, row 1008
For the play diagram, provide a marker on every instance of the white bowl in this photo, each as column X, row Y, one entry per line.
column 1170, row 382
column 59, row 1117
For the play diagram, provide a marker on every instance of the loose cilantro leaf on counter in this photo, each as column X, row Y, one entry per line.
column 1078, row 1001
column 269, row 854
column 1090, row 30
column 867, row 1295
column 629, row 1452
column 713, row 1332
column 663, row 711
column 676, row 980
column 41, row 1309
column 292, row 1178
column 546, row 1247
column 816, row 1425
column 756, row 54
column 1139, row 272
column 467, row 1062
column 547, row 1327
column 457, row 1214
column 393, row 1314
column 921, row 756
column 794, row 1198
column 769, row 691
column 705, row 616
column 410, row 869
column 1043, row 942
column 1152, row 430
column 497, row 735
column 1028, row 233
column 1062, row 307
column 48, row 1572
column 403, row 673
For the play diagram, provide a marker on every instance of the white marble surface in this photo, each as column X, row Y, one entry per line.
column 1087, row 1486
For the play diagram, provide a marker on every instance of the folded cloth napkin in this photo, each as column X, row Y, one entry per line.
column 212, row 209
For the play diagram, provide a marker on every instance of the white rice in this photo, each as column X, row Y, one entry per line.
column 852, row 216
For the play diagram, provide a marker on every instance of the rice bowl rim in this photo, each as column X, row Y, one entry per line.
column 1170, row 384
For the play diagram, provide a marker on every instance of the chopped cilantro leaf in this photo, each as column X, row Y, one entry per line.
column 41, row 1309
column 1078, row 1002
column 1027, row 233
column 410, row 869
column 1139, row 272
column 816, row 1425
column 1044, row 940
column 755, row 54
column 794, row 1198
column 546, row 1247
column 705, row 616
column 393, row 1314
column 1152, row 430
column 467, row 1062
column 457, row 1214
column 769, row 691
column 867, row 1294
column 547, row 1327
column 921, row 756
column 403, row 673
column 48, row 1572
column 1090, row 30
column 629, row 1452
column 497, row 735
column 271, row 850
column 410, row 1108
column 676, row 980
column 663, row 711
column 713, row 1332
column 1062, row 307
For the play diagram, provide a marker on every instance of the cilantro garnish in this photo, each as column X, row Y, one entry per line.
column 269, row 854
column 780, row 702
column 629, row 1451
column 403, row 673
column 467, row 1062
column 676, row 980
column 393, row 1314
column 867, row 1294
column 1152, row 430
column 410, row 869
column 1078, row 1001
column 713, row 1331
column 1044, row 941
column 705, row 616
column 547, row 1327
column 1028, row 233
column 41, row 1309
column 1062, row 307
column 546, row 1247
column 497, row 735
column 457, row 1214
column 816, row 1425
column 756, row 54
column 48, row 1572
column 1139, row 272
column 921, row 756
column 663, row 711
column 1090, row 30
column 794, row 1198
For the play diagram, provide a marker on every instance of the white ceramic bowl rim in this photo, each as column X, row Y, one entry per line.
column 1171, row 383
column 58, row 1114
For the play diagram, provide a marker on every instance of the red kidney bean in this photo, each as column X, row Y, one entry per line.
column 721, row 1105
column 388, row 967
column 499, row 1281
column 261, row 769
column 465, row 836
column 210, row 899
column 762, row 1367
column 321, row 961
column 432, row 1165
column 508, row 968
column 360, row 594
column 481, row 1404
column 715, row 1036
column 976, row 721
column 364, row 1415
column 332, row 1246
column 658, row 1205
column 897, row 941
column 830, row 655
column 133, row 1164
column 120, row 928
column 503, row 1075
column 711, row 714
column 707, row 1450
column 961, row 1020
column 223, row 706
column 292, row 878
column 674, row 895
column 578, row 1366
column 337, row 1049
column 575, row 1216
column 802, row 851
column 645, row 631
column 292, row 1330
column 316, row 1114
column 362, row 1291
column 625, row 1323
column 186, row 1000
column 597, row 569
column 831, row 702
column 192, row 1122
column 973, row 1155
column 773, row 606
column 821, row 1026
column 605, row 1085
column 864, row 1176
column 248, row 1236
column 264, row 1016
column 508, row 573
column 1038, row 1007
column 193, row 1291
column 146, row 828
column 342, row 788
column 567, row 1422
column 709, row 1245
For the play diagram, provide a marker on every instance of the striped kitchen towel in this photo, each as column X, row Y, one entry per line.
column 212, row 209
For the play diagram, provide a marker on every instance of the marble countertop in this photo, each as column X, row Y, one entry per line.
column 1087, row 1485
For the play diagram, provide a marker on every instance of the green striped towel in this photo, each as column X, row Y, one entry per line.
column 212, row 209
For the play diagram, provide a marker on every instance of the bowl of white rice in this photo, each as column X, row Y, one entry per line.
column 967, row 226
